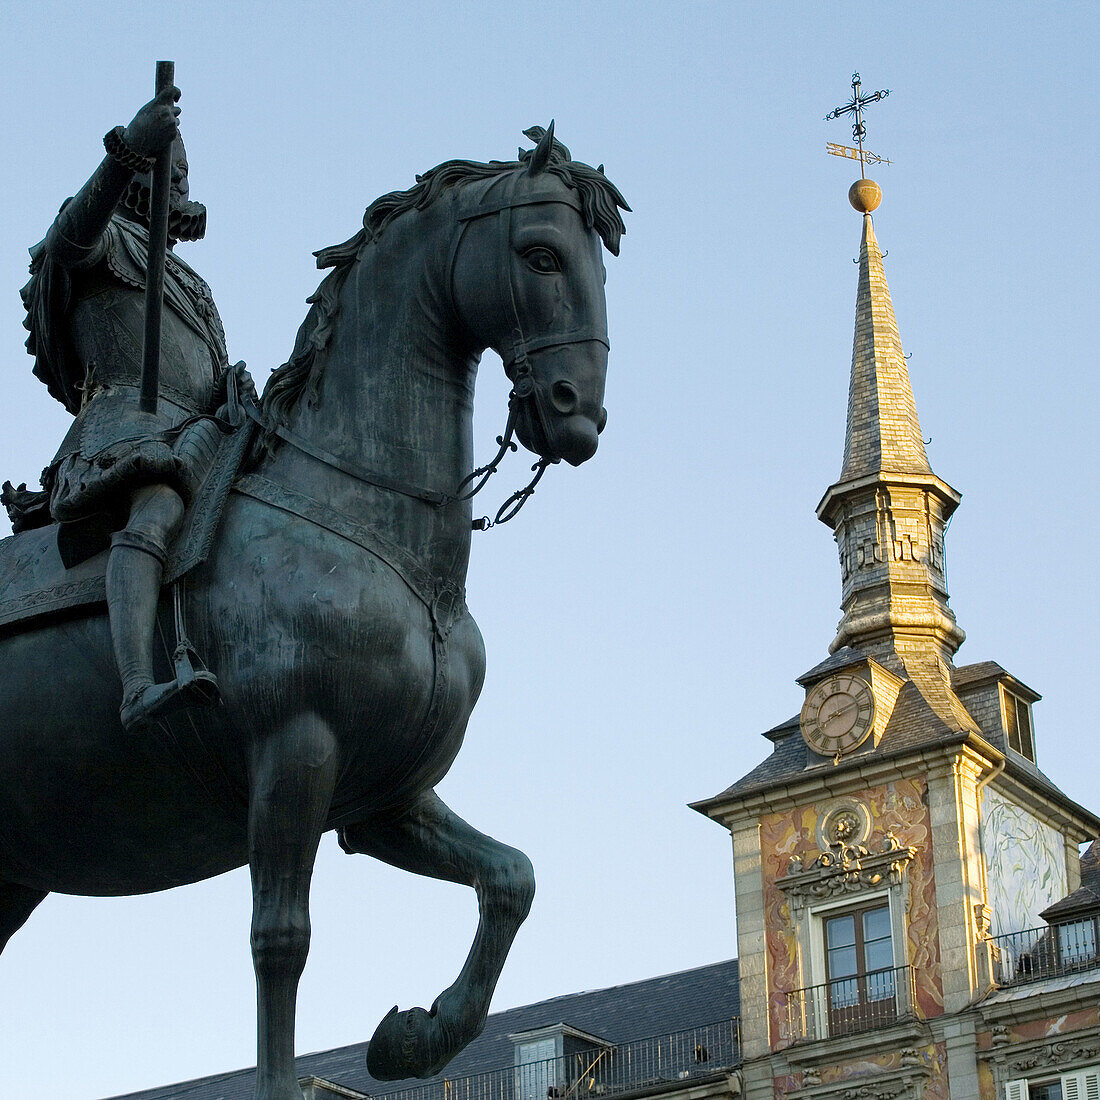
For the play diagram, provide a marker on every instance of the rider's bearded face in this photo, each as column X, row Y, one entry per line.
column 178, row 188
column 187, row 220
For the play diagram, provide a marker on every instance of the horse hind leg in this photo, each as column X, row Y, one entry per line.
column 293, row 773
column 432, row 840
column 16, row 905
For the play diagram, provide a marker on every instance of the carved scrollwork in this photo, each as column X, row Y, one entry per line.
column 890, row 1090
column 845, row 868
column 893, row 1087
column 1060, row 1053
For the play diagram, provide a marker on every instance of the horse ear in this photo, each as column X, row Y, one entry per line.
column 540, row 158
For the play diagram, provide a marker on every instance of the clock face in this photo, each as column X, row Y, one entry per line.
column 838, row 715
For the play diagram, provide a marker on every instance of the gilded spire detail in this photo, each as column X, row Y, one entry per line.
column 888, row 510
column 883, row 432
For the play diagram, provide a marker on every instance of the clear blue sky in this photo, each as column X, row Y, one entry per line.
column 648, row 614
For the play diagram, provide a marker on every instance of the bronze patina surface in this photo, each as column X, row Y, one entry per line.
column 330, row 605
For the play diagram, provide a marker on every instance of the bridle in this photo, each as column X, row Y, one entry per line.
column 525, row 390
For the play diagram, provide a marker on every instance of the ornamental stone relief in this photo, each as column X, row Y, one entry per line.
column 1063, row 1053
column 1058, row 1054
column 857, row 553
column 845, row 868
column 845, row 821
column 908, row 1086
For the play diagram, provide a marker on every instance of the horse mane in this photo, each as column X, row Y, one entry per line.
column 301, row 373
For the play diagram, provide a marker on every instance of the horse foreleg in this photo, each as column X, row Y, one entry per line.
column 432, row 840
column 16, row 904
column 292, row 778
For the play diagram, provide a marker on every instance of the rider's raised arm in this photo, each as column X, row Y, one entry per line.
column 76, row 236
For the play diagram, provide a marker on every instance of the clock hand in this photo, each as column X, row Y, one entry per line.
column 837, row 713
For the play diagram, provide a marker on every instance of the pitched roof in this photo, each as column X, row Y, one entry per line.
column 654, row 1007
column 912, row 725
column 1090, row 867
column 983, row 672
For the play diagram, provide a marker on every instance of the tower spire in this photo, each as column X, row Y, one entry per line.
column 888, row 510
column 883, row 431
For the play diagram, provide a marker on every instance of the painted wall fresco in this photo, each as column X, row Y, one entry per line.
column 1044, row 1028
column 1025, row 864
column 896, row 807
column 987, row 1086
column 932, row 1058
column 937, row 1088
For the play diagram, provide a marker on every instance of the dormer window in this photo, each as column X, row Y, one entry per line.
column 1017, row 712
column 551, row 1062
column 538, row 1069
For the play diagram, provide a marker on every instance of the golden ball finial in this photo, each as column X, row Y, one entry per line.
column 865, row 195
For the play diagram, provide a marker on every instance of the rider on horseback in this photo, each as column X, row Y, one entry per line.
column 120, row 469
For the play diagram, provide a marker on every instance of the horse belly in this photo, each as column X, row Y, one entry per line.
column 88, row 809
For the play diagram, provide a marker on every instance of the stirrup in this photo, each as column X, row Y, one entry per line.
column 194, row 685
column 194, row 680
column 195, row 688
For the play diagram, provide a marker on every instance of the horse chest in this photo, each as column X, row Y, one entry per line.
column 394, row 669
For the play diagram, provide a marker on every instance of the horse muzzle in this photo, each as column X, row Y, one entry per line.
column 556, row 424
column 560, row 400
column 572, row 439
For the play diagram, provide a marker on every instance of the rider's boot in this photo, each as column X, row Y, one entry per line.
column 134, row 573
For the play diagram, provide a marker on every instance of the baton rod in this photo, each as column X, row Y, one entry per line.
column 158, row 248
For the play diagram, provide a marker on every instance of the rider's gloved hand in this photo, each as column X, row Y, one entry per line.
column 155, row 126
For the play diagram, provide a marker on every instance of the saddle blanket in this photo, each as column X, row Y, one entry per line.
column 34, row 584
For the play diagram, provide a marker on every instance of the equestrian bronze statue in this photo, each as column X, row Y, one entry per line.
column 232, row 624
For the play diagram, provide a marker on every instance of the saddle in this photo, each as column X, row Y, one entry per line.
column 35, row 583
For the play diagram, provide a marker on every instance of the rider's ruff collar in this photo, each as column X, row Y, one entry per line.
column 186, row 221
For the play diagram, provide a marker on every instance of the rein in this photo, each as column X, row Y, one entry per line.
column 368, row 477
column 524, row 389
column 433, row 497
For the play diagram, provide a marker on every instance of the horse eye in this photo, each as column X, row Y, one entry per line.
column 542, row 259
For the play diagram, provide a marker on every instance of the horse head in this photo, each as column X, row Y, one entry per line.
column 527, row 280
column 508, row 257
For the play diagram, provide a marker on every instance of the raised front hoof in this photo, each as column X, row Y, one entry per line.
column 157, row 700
column 408, row 1044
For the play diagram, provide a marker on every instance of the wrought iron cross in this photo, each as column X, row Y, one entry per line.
column 855, row 107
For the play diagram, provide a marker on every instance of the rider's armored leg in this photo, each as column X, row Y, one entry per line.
column 134, row 573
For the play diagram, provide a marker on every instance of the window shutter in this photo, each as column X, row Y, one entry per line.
column 1092, row 1084
column 1083, row 1085
column 1017, row 1090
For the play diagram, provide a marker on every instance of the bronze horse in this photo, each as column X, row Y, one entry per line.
column 332, row 606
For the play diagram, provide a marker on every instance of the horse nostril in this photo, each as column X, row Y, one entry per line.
column 564, row 397
column 601, row 421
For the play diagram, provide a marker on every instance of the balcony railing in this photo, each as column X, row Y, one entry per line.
column 601, row 1071
column 848, row 1005
column 1047, row 952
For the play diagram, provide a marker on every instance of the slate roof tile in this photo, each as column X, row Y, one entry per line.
column 654, row 1007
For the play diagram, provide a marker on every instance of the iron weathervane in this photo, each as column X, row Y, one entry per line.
column 855, row 107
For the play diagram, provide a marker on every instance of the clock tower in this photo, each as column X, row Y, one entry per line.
column 899, row 855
